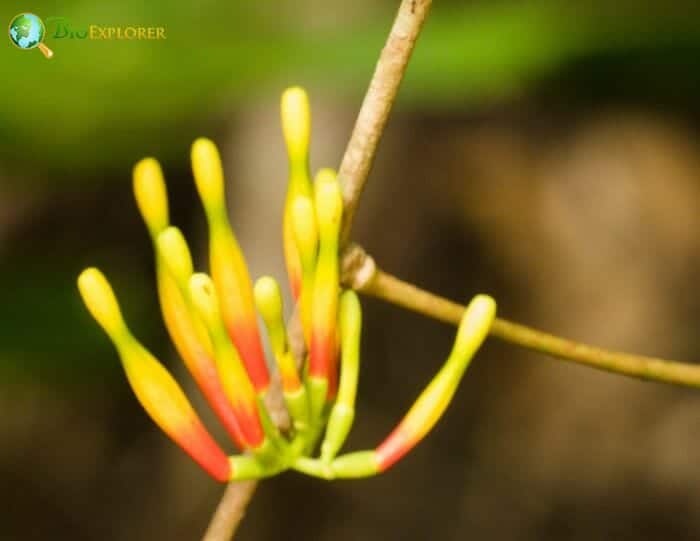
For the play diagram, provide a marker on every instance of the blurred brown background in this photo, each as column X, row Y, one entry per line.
column 543, row 153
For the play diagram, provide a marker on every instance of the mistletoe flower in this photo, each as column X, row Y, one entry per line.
column 186, row 332
column 228, row 267
column 154, row 387
column 296, row 128
column 212, row 320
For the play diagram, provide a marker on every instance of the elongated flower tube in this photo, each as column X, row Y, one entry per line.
column 323, row 349
column 156, row 390
column 192, row 343
column 306, row 240
column 432, row 402
column 296, row 128
column 187, row 331
column 268, row 299
column 232, row 373
column 343, row 411
column 228, row 267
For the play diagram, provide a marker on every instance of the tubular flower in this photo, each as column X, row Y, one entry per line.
column 173, row 268
column 296, row 128
column 323, row 375
column 213, row 324
column 237, row 385
column 306, row 238
column 154, row 387
column 228, row 267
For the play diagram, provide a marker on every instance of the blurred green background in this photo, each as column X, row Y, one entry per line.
column 545, row 152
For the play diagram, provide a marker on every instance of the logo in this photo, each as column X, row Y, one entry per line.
column 27, row 31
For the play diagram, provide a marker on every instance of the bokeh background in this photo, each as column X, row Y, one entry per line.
column 545, row 152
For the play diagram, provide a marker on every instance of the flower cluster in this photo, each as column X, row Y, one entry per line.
column 212, row 320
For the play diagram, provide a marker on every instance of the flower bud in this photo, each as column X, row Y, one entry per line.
column 296, row 128
column 186, row 329
column 172, row 247
column 343, row 411
column 306, row 240
column 322, row 350
column 208, row 174
column 228, row 267
column 151, row 195
column 154, row 387
column 232, row 374
column 296, row 125
column 268, row 299
column 433, row 401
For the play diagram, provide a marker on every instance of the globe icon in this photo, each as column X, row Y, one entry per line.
column 27, row 32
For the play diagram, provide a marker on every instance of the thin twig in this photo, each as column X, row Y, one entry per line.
column 389, row 288
column 234, row 502
column 353, row 172
column 230, row 511
column 373, row 115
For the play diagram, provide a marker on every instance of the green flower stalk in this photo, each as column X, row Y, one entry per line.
column 343, row 411
column 213, row 324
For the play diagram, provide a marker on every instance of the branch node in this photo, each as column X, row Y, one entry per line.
column 357, row 267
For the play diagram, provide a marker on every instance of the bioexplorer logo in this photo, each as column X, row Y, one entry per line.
column 27, row 31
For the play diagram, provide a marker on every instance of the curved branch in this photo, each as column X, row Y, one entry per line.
column 230, row 511
column 389, row 288
column 374, row 113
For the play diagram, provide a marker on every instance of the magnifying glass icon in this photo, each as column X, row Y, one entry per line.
column 27, row 32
